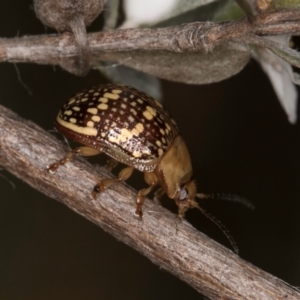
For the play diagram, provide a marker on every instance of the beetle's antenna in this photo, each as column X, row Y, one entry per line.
column 219, row 224
column 228, row 197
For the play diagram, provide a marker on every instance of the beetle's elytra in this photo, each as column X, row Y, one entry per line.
column 134, row 129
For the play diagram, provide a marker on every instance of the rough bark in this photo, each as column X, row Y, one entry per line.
column 214, row 271
column 192, row 37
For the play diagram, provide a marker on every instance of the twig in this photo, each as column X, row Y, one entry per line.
column 192, row 37
column 218, row 273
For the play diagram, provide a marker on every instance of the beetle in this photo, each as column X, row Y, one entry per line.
column 132, row 128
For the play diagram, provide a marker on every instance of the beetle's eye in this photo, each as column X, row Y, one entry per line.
column 183, row 194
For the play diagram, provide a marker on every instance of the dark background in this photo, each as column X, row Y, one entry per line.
column 240, row 142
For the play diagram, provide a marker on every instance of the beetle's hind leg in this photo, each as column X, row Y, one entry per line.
column 124, row 174
column 105, row 183
column 82, row 151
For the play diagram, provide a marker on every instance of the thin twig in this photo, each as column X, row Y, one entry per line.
column 192, row 37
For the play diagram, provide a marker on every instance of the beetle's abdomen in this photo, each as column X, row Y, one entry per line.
column 118, row 119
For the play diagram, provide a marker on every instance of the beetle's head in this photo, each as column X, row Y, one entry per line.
column 175, row 172
column 185, row 197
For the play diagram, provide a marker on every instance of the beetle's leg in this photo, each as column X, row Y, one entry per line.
column 110, row 164
column 158, row 195
column 105, row 183
column 152, row 180
column 82, row 151
column 185, row 205
column 141, row 197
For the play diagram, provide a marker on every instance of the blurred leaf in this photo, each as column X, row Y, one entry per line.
column 281, row 76
column 230, row 11
column 142, row 12
column 199, row 14
column 195, row 68
column 182, row 7
column 286, row 4
column 269, row 6
column 111, row 14
column 249, row 7
column 128, row 76
column 289, row 55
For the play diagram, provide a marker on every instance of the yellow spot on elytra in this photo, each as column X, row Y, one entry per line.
column 126, row 134
column 133, row 103
column 130, row 119
column 158, row 143
column 103, row 134
column 96, row 94
column 68, row 112
column 102, row 106
column 122, row 137
column 71, row 101
column 139, row 127
column 140, row 101
column 147, row 115
column 103, row 100
column 123, row 105
column 76, row 108
column 78, row 129
column 84, row 99
column 136, row 153
column 113, row 139
column 168, row 127
column 133, row 111
column 116, row 91
column 96, row 118
column 111, row 96
column 135, row 132
column 160, row 152
column 163, row 140
column 146, row 151
column 92, row 111
column 90, row 124
column 73, row 120
column 151, row 110
column 162, row 131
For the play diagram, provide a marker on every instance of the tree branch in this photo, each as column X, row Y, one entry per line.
column 192, row 37
column 216, row 272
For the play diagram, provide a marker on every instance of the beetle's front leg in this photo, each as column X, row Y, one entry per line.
column 105, row 183
column 152, row 180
